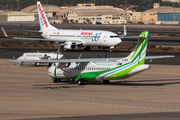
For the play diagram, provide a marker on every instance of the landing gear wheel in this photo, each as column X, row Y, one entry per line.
column 106, row 82
column 56, row 80
column 21, row 64
column 87, row 49
column 81, row 82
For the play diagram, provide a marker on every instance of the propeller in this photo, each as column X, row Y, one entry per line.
column 55, row 70
column 104, row 56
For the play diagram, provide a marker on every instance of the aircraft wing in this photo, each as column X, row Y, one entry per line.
column 33, row 31
column 69, row 60
column 158, row 57
column 39, row 39
column 93, row 60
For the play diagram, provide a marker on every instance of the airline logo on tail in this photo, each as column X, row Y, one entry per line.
column 43, row 18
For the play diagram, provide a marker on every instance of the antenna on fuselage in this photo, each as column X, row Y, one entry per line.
column 13, row 57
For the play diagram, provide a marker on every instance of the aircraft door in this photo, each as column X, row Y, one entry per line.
column 105, row 37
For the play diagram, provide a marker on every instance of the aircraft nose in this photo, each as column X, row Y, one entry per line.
column 51, row 70
column 118, row 40
column 20, row 58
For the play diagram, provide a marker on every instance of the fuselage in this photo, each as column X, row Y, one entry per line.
column 39, row 56
column 74, row 69
column 97, row 38
column 97, row 72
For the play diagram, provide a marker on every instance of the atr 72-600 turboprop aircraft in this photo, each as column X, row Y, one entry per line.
column 74, row 38
column 102, row 69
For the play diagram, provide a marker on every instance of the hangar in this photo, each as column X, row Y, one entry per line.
column 14, row 16
column 161, row 15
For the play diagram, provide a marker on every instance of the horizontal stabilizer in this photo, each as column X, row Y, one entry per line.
column 158, row 57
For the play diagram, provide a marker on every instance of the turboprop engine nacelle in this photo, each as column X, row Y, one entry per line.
column 70, row 45
column 62, row 65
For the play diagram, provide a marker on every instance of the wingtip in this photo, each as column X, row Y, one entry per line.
column 5, row 34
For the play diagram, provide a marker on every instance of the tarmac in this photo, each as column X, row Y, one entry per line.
column 27, row 92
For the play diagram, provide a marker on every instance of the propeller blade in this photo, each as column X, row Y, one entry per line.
column 57, row 56
column 55, row 70
column 99, row 55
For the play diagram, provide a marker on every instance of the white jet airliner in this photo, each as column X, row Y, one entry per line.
column 74, row 38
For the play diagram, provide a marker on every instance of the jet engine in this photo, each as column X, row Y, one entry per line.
column 70, row 45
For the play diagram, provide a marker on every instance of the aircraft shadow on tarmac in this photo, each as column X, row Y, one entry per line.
column 138, row 116
column 159, row 82
column 68, row 83
column 60, row 85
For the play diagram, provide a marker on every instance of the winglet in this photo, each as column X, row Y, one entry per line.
column 4, row 32
column 125, row 32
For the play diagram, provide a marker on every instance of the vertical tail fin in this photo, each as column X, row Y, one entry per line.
column 139, row 53
column 43, row 21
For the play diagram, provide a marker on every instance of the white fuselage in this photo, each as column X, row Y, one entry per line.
column 97, row 38
column 74, row 69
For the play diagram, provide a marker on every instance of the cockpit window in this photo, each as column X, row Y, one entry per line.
column 113, row 36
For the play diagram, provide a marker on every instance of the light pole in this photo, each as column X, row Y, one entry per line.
column 126, row 10
column 174, row 10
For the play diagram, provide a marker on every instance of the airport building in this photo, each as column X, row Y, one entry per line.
column 89, row 13
column 105, row 16
column 14, row 16
column 170, row 1
column 27, row 14
column 161, row 15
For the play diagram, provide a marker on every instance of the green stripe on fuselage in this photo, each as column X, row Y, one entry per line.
column 91, row 76
column 123, row 74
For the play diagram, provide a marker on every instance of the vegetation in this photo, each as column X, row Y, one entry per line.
column 140, row 5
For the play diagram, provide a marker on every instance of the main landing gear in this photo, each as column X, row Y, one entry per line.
column 105, row 81
column 56, row 80
column 87, row 48
column 81, row 82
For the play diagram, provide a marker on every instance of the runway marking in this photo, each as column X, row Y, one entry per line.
column 98, row 97
column 91, row 103
column 115, row 98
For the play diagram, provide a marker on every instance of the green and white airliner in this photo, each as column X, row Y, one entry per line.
column 102, row 69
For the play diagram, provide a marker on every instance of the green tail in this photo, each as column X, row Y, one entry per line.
column 139, row 52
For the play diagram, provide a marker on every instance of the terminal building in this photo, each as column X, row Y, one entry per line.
column 15, row 16
column 161, row 15
column 90, row 13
